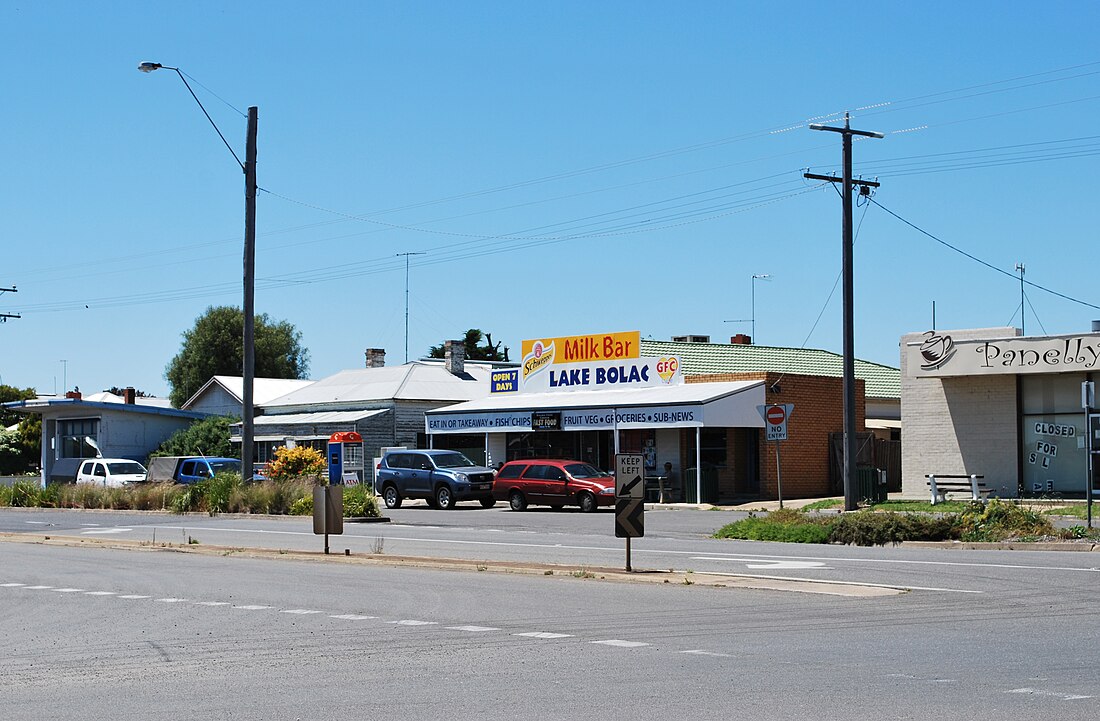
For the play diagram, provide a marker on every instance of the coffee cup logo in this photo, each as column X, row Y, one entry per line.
column 936, row 350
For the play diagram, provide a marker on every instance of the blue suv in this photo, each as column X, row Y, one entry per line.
column 442, row 478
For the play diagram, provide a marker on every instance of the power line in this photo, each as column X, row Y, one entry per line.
column 982, row 262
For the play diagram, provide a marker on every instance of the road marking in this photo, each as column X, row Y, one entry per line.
column 134, row 595
column 544, row 634
column 253, row 607
column 620, row 644
column 701, row 652
column 472, row 629
column 789, row 565
column 89, row 525
column 212, row 603
column 352, row 617
column 413, row 622
column 1052, row 694
column 37, row 588
column 68, row 590
column 825, row 582
column 39, row 523
column 104, row 531
column 171, row 600
column 99, row 593
column 300, row 611
column 11, row 585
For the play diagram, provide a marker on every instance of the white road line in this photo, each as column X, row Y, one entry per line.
column 38, row 523
column 300, row 611
column 1052, row 694
column 413, row 622
column 701, row 652
column 36, row 588
column 472, row 629
column 212, row 603
column 11, row 585
column 253, row 608
column 820, row 581
column 544, row 634
column 99, row 593
column 352, row 617
column 68, row 590
column 104, row 531
column 134, row 595
column 89, row 525
column 171, row 600
column 620, row 643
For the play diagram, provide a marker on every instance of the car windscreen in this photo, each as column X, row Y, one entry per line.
column 451, row 460
column 125, row 469
column 225, row 466
column 584, row 470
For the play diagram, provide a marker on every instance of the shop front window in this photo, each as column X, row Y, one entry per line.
column 1053, row 442
column 73, row 436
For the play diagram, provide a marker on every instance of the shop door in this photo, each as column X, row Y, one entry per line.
column 1094, row 452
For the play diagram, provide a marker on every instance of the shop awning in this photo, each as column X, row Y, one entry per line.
column 690, row 405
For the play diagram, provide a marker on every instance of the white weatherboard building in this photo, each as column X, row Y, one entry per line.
column 989, row 401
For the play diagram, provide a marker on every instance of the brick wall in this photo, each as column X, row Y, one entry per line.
column 818, row 412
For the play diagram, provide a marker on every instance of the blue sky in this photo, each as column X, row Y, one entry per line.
column 566, row 168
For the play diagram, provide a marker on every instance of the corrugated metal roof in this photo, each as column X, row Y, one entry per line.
column 708, row 358
column 316, row 418
column 416, row 380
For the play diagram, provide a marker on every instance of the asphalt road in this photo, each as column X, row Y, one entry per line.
column 99, row 633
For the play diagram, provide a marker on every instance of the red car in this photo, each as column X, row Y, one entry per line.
column 553, row 483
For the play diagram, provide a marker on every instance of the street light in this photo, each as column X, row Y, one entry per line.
column 249, row 361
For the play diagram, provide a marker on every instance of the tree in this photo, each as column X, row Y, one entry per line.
column 11, row 393
column 138, row 393
column 206, row 437
column 474, row 350
column 214, row 347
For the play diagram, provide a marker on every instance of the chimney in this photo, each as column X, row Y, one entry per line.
column 73, row 395
column 129, row 395
column 376, row 357
column 741, row 339
column 454, row 357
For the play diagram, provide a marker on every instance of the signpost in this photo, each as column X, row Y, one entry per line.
column 629, row 498
column 775, row 417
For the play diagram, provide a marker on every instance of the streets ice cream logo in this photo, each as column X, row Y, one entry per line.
column 667, row 367
column 936, row 350
column 540, row 358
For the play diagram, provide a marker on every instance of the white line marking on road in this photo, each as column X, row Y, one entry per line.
column 748, row 558
column 36, row 588
column 68, row 590
column 413, row 622
column 89, row 525
column 789, row 565
column 701, row 652
column 212, row 603
column 620, row 643
column 253, row 608
column 104, row 531
column 1052, row 694
column 352, row 617
column 472, row 629
column 543, row 634
column 171, row 600
column 11, row 585
column 99, row 593
column 819, row 581
column 134, row 595
column 300, row 611
column 38, row 523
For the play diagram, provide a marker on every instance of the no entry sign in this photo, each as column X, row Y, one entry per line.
column 775, row 420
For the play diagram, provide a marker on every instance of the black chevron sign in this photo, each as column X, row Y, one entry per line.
column 629, row 518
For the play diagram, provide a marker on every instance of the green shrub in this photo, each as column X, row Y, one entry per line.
column 360, row 502
column 26, row 494
column 302, row 507
column 216, row 492
column 786, row 526
column 998, row 520
column 5, row 495
column 867, row 528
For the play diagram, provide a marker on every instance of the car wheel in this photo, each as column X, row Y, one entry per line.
column 517, row 501
column 588, row 502
column 444, row 499
column 488, row 502
column 391, row 497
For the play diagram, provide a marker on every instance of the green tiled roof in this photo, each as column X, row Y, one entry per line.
column 705, row 358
